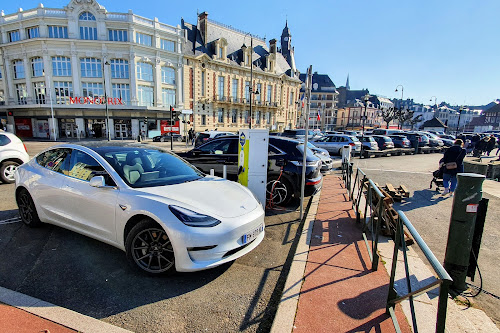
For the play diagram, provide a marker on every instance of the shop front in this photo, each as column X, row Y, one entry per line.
column 123, row 128
column 96, row 128
column 24, row 127
column 68, row 128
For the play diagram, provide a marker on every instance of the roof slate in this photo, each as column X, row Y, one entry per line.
column 434, row 122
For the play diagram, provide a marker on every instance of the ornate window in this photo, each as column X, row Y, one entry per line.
column 221, row 87
column 88, row 28
column 58, row 31
column 168, row 97
column 21, row 93
column 92, row 89
column 118, row 35
column 145, row 95
column 61, row 66
column 63, row 90
column 39, row 92
column 144, row 71
column 14, row 36
column 90, row 67
column 143, row 39
column 18, row 67
column 167, row 45
column 220, row 115
column 122, row 90
column 33, row 32
column 119, row 69
column 36, row 67
column 168, row 75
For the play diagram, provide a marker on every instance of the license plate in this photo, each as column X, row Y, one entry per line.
column 250, row 236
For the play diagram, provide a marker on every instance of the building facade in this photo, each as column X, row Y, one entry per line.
column 218, row 87
column 60, row 68
column 323, row 108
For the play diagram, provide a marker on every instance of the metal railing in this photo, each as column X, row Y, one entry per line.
column 363, row 189
column 444, row 280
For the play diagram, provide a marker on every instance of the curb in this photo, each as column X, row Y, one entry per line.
column 285, row 315
column 57, row 314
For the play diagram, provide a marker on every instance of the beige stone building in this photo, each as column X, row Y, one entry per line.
column 217, row 77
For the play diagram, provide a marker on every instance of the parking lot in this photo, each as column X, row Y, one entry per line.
column 92, row 278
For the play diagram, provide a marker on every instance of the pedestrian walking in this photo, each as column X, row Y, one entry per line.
column 490, row 144
column 453, row 164
column 498, row 144
column 190, row 135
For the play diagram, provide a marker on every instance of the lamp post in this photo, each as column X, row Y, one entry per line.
column 401, row 105
column 250, row 88
column 363, row 119
column 51, row 108
column 458, row 124
column 435, row 100
column 106, row 101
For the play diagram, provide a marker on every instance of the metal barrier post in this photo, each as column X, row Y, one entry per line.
column 463, row 217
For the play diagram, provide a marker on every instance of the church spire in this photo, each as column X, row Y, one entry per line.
column 347, row 83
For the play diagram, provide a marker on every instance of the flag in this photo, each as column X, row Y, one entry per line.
column 319, row 116
column 302, row 100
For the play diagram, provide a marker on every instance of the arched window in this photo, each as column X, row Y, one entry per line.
column 86, row 16
column 88, row 28
column 119, row 69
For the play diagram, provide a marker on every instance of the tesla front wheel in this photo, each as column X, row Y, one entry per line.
column 7, row 171
column 149, row 248
column 27, row 209
column 278, row 190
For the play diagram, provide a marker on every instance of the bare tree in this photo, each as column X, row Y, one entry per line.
column 388, row 115
column 415, row 120
column 404, row 116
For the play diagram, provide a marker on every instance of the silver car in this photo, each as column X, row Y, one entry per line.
column 324, row 155
column 334, row 143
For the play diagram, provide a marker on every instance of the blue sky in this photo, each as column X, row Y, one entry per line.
column 448, row 49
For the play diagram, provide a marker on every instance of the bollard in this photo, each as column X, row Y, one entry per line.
column 346, row 154
column 463, row 217
column 224, row 171
column 212, row 172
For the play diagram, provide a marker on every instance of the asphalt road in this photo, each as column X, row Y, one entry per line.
column 92, row 278
column 430, row 214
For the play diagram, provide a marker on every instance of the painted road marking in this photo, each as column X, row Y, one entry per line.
column 16, row 219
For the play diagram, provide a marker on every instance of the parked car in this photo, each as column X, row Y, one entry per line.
column 368, row 142
column 324, row 155
column 300, row 134
column 416, row 139
column 167, row 136
column 400, row 141
column 283, row 153
column 204, row 137
column 384, row 131
column 448, row 140
column 384, row 142
column 335, row 142
column 163, row 212
column 352, row 133
column 13, row 153
column 434, row 140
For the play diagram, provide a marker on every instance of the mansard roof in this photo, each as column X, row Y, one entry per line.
column 434, row 122
column 321, row 83
column 195, row 46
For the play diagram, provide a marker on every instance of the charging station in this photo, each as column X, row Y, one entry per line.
column 252, row 161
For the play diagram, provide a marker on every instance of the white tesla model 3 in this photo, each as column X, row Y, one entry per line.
column 163, row 212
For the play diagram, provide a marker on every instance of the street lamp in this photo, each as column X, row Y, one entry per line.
column 459, row 114
column 435, row 100
column 363, row 119
column 401, row 105
column 250, row 88
column 106, row 63
column 51, row 108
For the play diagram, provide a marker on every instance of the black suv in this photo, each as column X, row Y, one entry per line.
column 284, row 167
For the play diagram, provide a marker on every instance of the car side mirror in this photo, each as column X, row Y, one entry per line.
column 98, row 181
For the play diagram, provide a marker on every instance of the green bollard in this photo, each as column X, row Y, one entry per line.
column 463, row 218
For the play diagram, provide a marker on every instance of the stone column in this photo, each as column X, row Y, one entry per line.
column 157, row 82
column 10, row 94
column 179, row 81
column 133, row 80
column 27, row 75
column 75, row 70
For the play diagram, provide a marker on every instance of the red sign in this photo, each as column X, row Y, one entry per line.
column 95, row 100
column 166, row 128
column 23, row 127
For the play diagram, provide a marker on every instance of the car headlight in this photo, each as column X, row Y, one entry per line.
column 310, row 163
column 193, row 219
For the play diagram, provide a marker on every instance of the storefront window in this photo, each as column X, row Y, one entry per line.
column 90, row 67
column 92, row 89
column 36, row 67
column 122, row 90
column 145, row 95
column 63, row 91
column 61, row 66
column 39, row 92
column 168, row 96
column 119, row 69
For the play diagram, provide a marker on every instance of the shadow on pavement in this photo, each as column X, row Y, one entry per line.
column 85, row 275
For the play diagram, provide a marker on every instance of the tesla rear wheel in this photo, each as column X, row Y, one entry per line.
column 279, row 191
column 7, row 171
column 27, row 209
column 149, row 248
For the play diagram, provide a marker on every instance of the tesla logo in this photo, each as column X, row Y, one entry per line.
column 123, row 207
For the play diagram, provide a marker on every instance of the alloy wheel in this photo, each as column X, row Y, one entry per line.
column 152, row 250
column 9, row 171
column 25, row 208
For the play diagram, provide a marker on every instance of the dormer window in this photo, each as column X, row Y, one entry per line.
column 221, row 48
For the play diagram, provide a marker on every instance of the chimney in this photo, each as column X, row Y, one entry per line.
column 272, row 46
column 203, row 26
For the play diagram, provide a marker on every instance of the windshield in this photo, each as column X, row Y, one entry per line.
column 309, row 154
column 149, row 167
column 355, row 139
